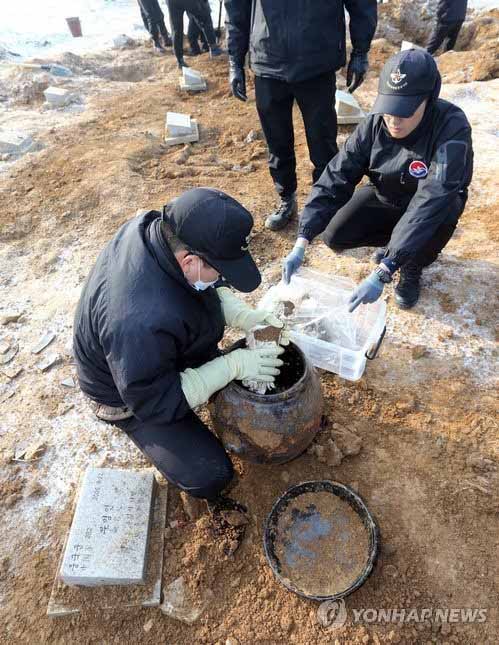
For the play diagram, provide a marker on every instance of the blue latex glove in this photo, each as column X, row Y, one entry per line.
column 292, row 263
column 369, row 290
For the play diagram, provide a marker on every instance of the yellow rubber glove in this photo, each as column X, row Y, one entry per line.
column 239, row 315
column 199, row 383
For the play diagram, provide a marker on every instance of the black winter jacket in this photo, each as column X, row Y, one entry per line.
column 293, row 40
column 139, row 324
column 442, row 141
column 451, row 10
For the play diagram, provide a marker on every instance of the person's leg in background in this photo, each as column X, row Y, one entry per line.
column 194, row 35
column 315, row 98
column 201, row 12
column 274, row 103
column 437, row 37
column 176, row 12
column 186, row 453
column 452, row 35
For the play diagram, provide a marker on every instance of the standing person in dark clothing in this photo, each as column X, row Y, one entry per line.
column 416, row 151
column 450, row 17
column 147, row 329
column 196, row 34
column 201, row 13
column 295, row 49
column 154, row 21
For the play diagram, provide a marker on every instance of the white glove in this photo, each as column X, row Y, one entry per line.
column 239, row 315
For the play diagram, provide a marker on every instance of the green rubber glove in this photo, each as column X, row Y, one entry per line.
column 199, row 383
column 241, row 316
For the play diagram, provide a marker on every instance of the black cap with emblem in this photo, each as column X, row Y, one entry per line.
column 406, row 80
column 217, row 228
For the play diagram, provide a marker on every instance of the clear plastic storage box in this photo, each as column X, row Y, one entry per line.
column 321, row 325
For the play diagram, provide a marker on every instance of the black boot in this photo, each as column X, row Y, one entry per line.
column 167, row 41
column 285, row 212
column 181, row 63
column 409, row 286
column 379, row 254
column 194, row 50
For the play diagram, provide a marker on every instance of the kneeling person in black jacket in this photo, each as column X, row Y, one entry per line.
column 147, row 329
column 416, row 151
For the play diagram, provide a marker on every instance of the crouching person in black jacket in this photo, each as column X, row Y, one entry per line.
column 416, row 151
column 147, row 329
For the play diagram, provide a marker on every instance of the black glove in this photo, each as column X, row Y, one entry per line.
column 237, row 80
column 357, row 68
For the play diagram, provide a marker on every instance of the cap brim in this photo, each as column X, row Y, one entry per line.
column 242, row 274
column 402, row 106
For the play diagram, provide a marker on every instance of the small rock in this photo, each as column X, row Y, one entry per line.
column 346, row 440
column 5, row 156
column 10, row 317
column 334, row 456
column 418, row 351
column 148, row 626
column 285, row 476
column 231, row 641
column 68, row 382
column 179, row 604
column 234, row 518
column 4, row 346
column 253, row 135
column 481, row 464
column 49, row 361
column 9, row 354
column 193, row 506
column 12, row 372
column 44, row 341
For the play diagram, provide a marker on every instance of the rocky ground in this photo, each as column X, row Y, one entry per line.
column 416, row 436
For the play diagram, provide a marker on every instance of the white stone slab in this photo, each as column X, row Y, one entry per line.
column 408, row 45
column 67, row 600
column 347, row 108
column 57, row 96
column 178, row 125
column 186, row 138
column 108, row 539
column 14, row 142
column 192, row 80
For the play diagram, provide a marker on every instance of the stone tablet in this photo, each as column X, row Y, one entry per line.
column 15, row 142
column 57, row 96
column 347, row 108
column 177, row 124
column 108, row 539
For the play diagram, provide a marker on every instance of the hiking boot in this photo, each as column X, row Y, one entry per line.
column 280, row 218
column 379, row 254
column 215, row 51
column 194, row 51
column 409, row 286
column 181, row 63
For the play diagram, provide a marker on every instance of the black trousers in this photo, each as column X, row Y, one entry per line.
column 195, row 34
column 274, row 102
column 153, row 18
column 201, row 13
column 366, row 221
column 448, row 31
column 187, row 453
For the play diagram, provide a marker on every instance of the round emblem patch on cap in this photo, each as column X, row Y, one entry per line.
column 418, row 169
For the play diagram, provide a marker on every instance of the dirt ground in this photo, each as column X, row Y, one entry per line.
column 422, row 447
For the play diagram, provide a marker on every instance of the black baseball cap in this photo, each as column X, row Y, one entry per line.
column 406, row 80
column 217, row 228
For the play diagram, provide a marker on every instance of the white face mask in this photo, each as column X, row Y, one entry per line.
column 200, row 285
